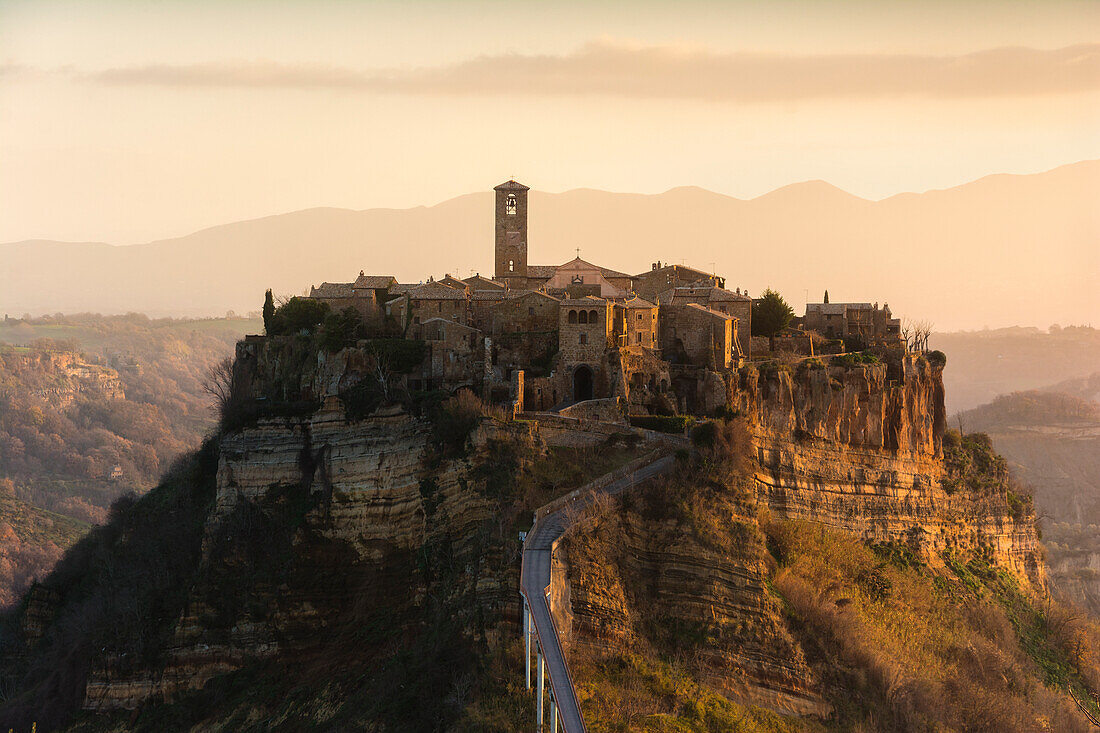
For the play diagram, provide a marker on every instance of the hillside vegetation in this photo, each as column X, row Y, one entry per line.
column 883, row 639
column 91, row 408
column 1051, row 440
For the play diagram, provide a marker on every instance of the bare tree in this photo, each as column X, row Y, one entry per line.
column 921, row 331
column 225, row 385
column 380, row 368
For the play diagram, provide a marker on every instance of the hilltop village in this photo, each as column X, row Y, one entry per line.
column 553, row 335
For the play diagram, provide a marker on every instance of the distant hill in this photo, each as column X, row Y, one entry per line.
column 1003, row 249
column 92, row 407
column 1052, row 442
column 984, row 364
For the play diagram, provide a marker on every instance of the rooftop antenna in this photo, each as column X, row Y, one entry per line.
column 713, row 269
column 578, row 253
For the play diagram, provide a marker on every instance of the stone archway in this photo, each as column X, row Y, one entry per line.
column 582, row 383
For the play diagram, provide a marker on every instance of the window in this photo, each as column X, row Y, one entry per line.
column 582, row 317
column 510, row 205
column 440, row 304
column 584, row 339
column 530, row 310
column 639, row 316
column 592, row 317
column 572, row 316
column 638, row 337
column 511, row 266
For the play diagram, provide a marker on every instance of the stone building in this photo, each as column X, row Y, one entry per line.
column 585, row 328
column 455, row 354
column 636, row 323
column 660, row 278
column 694, row 334
column 525, row 311
column 864, row 322
column 481, row 304
column 372, row 291
column 577, row 272
column 510, row 227
column 337, row 296
column 717, row 299
column 430, row 300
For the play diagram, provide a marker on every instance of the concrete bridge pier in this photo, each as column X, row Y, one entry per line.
column 542, row 687
column 527, row 639
column 553, row 713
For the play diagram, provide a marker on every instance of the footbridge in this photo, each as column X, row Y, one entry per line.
column 539, row 630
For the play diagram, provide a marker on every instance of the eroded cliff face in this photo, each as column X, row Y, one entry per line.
column 856, row 447
column 861, row 448
column 647, row 576
column 323, row 525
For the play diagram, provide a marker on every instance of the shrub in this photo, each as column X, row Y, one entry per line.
column 936, row 358
column 662, row 423
column 853, row 360
column 703, row 434
column 455, row 420
column 297, row 314
column 341, row 329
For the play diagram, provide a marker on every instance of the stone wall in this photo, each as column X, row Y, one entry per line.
column 529, row 312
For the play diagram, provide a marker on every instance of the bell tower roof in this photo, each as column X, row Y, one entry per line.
column 511, row 185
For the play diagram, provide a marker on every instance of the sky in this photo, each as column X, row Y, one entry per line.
column 127, row 122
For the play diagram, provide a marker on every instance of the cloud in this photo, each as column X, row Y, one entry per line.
column 607, row 68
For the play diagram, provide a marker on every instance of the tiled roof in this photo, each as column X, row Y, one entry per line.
column 477, row 282
column 487, row 295
column 836, row 309
column 453, row 282
column 711, row 311
column 332, row 290
column 375, row 282
column 637, row 302
column 711, row 293
column 588, row 300
column 513, row 294
column 541, row 272
column 677, row 268
column 436, row 291
column 511, row 185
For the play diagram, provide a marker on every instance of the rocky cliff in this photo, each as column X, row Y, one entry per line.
column 308, row 514
column 860, row 447
column 684, row 568
column 346, row 566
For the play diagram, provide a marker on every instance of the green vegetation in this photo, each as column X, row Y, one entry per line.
column 663, row 423
column 915, row 648
column 854, row 360
column 770, row 315
column 32, row 540
column 972, row 463
column 630, row 692
column 120, row 590
column 297, row 315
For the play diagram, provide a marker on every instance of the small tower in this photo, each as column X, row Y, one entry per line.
column 510, row 216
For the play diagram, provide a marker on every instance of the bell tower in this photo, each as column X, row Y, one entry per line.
column 510, row 216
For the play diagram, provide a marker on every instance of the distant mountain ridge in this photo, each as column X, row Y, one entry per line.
column 1000, row 250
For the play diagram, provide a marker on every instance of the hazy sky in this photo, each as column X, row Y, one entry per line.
column 131, row 121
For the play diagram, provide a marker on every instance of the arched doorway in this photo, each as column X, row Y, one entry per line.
column 582, row 384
